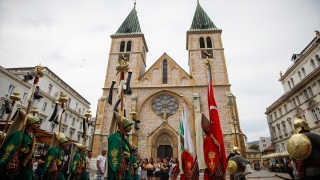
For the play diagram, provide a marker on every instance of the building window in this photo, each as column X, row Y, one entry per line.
column 318, row 59
column 71, row 134
column 69, row 102
column 202, row 42
column 122, row 45
column 313, row 64
column 79, row 137
column 299, row 74
column 289, row 84
column 263, row 140
column 275, row 115
column 270, row 117
column 285, row 108
column 310, row 92
column 80, row 125
column 128, row 46
column 49, row 89
column 62, row 129
column 76, row 106
column 264, row 145
column 306, row 94
column 303, row 72
column 280, row 112
column 73, row 120
column 24, row 98
column 304, row 117
column 209, row 43
column 298, row 100
column 165, row 72
column 44, row 106
column 10, row 90
column 292, row 82
column 315, row 115
column 294, row 102
column 65, row 117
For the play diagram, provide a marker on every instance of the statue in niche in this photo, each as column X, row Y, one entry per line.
column 164, row 115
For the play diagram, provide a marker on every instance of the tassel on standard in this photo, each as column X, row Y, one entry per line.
column 54, row 112
column 37, row 95
column 7, row 106
column 111, row 92
column 116, row 109
column 128, row 90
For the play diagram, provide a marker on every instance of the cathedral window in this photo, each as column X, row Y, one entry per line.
column 209, row 43
column 128, row 46
column 202, row 45
column 122, row 45
column 165, row 104
column 165, row 72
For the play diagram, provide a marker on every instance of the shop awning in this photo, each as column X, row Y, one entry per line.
column 276, row 155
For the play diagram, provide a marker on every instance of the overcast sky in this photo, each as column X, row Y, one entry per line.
column 259, row 37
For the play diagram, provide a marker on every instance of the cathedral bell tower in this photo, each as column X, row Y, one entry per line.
column 128, row 44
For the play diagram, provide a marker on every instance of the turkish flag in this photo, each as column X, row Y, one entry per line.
column 215, row 127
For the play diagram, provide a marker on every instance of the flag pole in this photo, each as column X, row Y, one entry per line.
column 122, row 68
column 39, row 74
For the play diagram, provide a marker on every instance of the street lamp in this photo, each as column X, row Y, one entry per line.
column 230, row 105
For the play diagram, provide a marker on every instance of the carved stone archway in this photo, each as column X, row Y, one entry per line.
column 163, row 135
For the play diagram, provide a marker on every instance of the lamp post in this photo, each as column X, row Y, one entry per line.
column 230, row 105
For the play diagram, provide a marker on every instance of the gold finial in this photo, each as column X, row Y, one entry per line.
column 63, row 98
column 40, row 73
column 123, row 66
column 88, row 114
column 34, row 110
column 15, row 96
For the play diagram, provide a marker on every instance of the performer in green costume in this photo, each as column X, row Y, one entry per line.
column 55, row 158
column 16, row 164
column 78, row 163
column 134, row 162
column 115, row 161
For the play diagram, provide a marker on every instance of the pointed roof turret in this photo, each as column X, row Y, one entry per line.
column 201, row 21
column 130, row 25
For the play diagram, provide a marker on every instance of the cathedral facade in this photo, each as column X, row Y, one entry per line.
column 160, row 91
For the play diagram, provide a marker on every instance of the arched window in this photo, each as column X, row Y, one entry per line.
column 313, row 64
column 202, row 42
column 128, row 46
column 122, row 45
column 292, row 82
column 289, row 84
column 303, row 72
column 165, row 72
column 209, row 43
column 299, row 74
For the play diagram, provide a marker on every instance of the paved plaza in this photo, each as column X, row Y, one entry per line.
column 262, row 174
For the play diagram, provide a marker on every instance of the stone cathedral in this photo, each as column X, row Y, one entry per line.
column 157, row 91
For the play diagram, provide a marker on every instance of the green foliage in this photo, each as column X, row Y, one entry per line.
column 254, row 147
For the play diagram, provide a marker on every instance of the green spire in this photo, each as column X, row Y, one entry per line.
column 130, row 25
column 201, row 21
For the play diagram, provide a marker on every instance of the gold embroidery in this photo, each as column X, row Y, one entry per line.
column 49, row 161
column 211, row 156
column 25, row 150
column 189, row 165
column 8, row 150
column 114, row 154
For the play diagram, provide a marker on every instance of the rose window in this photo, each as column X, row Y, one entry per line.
column 165, row 104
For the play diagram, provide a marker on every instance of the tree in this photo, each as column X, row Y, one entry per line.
column 254, row 147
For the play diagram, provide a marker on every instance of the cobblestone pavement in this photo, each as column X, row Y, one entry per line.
column 255, row 175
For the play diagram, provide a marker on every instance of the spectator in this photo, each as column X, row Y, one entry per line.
column 150, row 169
column 88, row 163
column 143, row 166
column 289, row 168
column 101, row 161
column 41, row 165
column 165, row 167
column 157, row 164
column 174, row 169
